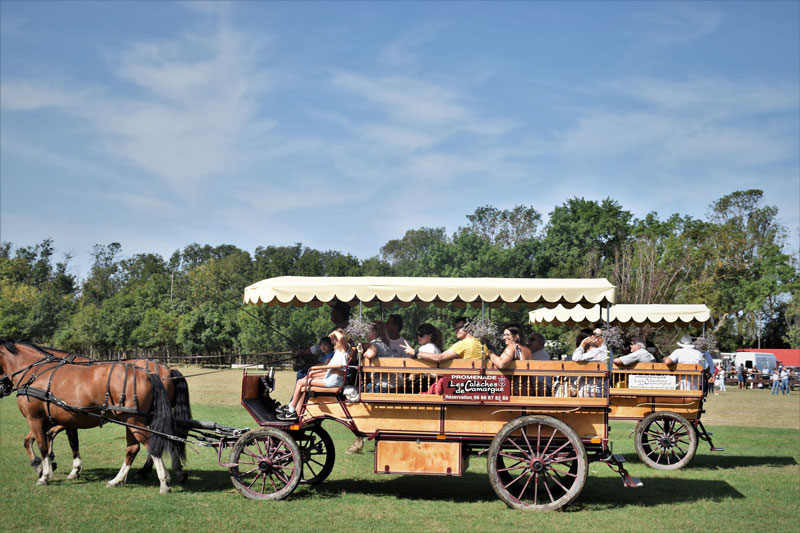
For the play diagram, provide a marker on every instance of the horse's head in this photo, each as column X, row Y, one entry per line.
column 6, row 386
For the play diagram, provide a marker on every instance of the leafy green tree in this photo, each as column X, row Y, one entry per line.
column 582, row 237
column 103, row 281
column 15, row 303
column 748, row 275
column 507, row 228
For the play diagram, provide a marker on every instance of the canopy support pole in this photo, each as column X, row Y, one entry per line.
column 360, row 310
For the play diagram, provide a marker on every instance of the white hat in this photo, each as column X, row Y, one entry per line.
column 686, row 341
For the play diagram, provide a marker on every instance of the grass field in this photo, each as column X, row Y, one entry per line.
column 753, row 484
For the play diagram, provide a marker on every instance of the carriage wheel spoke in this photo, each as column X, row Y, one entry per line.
column 527, row 442
column 564, row 459
column 258, row 475
column 547, row 487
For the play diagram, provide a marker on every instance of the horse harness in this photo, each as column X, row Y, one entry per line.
column 33, row 372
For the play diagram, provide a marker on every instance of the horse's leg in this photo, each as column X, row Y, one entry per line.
column 177, row 466
column 130, row 455
column 40, row 435
column 163, row 475
column 77, row 464
column 158, row 462
column 51, row 436
column 36, row 463
column 146, row 468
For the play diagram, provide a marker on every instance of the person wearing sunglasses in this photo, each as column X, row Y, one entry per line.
column 639, row 354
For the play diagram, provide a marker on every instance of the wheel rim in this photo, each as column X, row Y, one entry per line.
column 537, row 464
column 318, row 455
column 666, row 441
column 266, row 465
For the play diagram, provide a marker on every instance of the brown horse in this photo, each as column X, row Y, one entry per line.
column 52, row 392
column 177, row 391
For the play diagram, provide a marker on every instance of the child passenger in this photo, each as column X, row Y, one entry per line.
column 326, row 348
column 330, row 375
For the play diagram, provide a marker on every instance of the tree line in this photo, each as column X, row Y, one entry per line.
column 733, row 260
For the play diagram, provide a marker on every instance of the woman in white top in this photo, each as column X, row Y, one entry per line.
column 430, row 340
column 330, row 375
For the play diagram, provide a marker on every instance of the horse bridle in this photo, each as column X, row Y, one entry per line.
column 7, row 384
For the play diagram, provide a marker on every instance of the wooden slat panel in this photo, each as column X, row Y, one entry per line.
column 412, row 457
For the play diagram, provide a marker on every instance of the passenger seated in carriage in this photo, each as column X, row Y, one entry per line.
column 430, row 340
column 639, row 354
column 467, row 347
column 515, row 349
column 590, row 347
column 329, row 376
column 325, row 346
column 378, row 346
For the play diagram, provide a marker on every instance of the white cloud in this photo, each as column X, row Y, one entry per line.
column 681, row 122
column 405, row 99
column 19, row 95
column 714, row 97
column 401, row 52
column 677, row 22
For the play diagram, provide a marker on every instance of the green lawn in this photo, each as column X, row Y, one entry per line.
column 754, row 483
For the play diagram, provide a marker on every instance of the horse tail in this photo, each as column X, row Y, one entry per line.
column 182, row 408
column 161, row 419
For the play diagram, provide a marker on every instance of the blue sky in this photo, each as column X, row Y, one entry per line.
column 342, row 125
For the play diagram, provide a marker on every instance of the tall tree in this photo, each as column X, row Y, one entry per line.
column 582, row 237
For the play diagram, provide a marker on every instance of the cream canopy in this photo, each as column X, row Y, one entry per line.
column 624, row 314
column 296, row 290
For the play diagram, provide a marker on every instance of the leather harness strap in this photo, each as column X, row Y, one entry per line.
column 25, row 389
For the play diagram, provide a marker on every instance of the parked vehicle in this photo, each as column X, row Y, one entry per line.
column 756, row 360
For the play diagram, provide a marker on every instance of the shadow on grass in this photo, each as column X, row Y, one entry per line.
column 471, row 487
column 608, row 492
column 719, row 461
column 723, row 461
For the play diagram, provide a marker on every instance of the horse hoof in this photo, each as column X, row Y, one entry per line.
column 41, row 482
column 165, row 490
column 109, row 485
column 76, row 475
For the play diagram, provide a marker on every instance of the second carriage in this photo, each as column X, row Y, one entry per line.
column 666, row 402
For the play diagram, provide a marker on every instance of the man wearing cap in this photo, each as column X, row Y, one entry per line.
column 639, row 354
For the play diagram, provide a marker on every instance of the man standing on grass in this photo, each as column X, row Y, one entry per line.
column 785, row 380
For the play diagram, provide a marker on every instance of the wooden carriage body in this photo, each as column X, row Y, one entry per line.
column 538, row 423
column 645, row 388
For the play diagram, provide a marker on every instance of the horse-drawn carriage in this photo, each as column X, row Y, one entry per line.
column 666, row 402
column 537, row 445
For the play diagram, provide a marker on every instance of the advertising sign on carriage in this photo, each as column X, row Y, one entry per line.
column 470, row 387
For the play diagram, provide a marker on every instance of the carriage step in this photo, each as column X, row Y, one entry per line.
column 631, row 482
column 715, row 449
column 614, row 458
